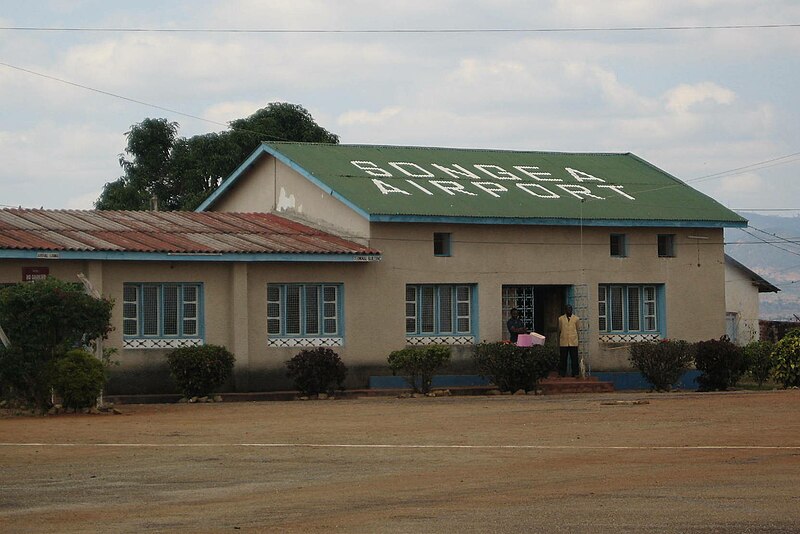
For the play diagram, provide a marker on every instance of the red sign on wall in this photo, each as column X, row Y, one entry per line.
column 32, row 274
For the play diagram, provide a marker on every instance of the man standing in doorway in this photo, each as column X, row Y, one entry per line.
column 568, row 325
column 515, row 326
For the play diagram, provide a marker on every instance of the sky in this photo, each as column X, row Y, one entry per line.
column 700, row 104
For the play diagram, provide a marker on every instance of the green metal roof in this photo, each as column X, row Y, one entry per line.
column 395, row 183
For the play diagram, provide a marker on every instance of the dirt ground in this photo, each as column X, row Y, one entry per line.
column 684, row 462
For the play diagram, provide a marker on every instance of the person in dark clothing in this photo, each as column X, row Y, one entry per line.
column 515, row 326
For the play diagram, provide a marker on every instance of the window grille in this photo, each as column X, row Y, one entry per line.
column 161, row 310
column 602, row 308
column 650, row 322
column 427, row 310
column 130, row 310
column 411, row 309
column 521, row 298
column 629, row 308
column 445, row 309
column 274, row 321
column 634, row 308
column 439, row 309
column 616, row 308
column 303, row 310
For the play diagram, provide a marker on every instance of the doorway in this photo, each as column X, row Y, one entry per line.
column 539, row 307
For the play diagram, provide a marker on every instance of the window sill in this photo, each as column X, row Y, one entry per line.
column 305, row 342
column 161, row 343
column 629, row 338
column 441, row 340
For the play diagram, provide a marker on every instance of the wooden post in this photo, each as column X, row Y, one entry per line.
column 98, row 344
column 4, row 338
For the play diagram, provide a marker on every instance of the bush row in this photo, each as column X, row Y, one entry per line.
column 78, row 377
column 721, row 363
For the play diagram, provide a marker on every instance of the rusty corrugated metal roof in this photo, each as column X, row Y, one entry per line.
column 178, row 232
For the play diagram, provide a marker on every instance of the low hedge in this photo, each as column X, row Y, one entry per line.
column 199, row 371
column 512, row 368
column 78, row 378
column 317, row 370
column 419, row 364
column 662, row 363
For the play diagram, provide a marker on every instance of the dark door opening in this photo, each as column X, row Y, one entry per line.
column 539, row 307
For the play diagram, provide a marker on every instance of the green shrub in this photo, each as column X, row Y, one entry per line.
column 44, row 320
column 317, row 370
column 419, row 364
column 786, row 359
column 662, row 363
column 758, row 356
column 721, row 362
column 198, row 371
column 78, row 378
column 27, row 380
column 512, row 368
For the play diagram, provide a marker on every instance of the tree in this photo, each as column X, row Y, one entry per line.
column 146, row 167
column 43, row 321
column 181, row 172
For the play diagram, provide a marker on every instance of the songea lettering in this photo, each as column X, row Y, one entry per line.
column 439, row 179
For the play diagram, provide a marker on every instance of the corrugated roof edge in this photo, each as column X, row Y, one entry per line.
column 556, row 221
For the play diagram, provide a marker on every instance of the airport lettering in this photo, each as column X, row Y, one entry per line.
column 415, row 179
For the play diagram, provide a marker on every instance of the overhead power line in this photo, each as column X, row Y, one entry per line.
column 140, row 102
column 769, row 242
column 401, row 31
column 107, row 93
column 781, row 160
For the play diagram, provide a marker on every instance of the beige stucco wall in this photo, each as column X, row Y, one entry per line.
column 741, row 297
column 271, row 186
column 374, row 293
column 493, row 256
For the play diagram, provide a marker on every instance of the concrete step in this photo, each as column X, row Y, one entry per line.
column 556, row 386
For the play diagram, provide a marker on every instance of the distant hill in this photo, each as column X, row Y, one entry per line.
column 779, row 262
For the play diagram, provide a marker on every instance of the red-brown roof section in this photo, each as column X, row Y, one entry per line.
column 166, row 232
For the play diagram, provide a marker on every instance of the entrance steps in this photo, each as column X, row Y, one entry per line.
column 556, row 385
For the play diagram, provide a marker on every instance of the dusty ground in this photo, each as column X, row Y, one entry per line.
column 259, row 467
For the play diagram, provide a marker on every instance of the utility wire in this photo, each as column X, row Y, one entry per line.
column 770, row 243
column 741, row 170
column 400, row 31
column 140, row 102
column 776, row 236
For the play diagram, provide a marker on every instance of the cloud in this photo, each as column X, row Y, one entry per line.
column 676, row 98
column 224, row 112
column 684, row 96
column 361, row 117
column 55, row 164
column 742, row 184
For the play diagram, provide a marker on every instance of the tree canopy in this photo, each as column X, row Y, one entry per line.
column 181, row 172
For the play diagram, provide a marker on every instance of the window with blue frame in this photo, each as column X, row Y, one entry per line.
column 628, row 308
column 304, row 310
column 439, row 309
column 162, row 310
